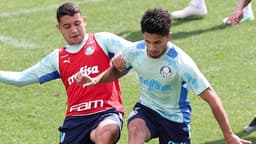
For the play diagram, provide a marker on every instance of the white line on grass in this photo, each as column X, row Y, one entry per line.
column 22, row 44
column 38, row 9
column 27, row 11
column 16, row 43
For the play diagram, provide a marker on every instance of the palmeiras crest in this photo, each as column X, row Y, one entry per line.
column 165, row 71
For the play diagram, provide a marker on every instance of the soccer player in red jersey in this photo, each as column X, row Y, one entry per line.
column 93, row 114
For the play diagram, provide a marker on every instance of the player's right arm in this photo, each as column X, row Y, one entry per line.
column 43, row 71
column 108, row 75
column 114, row 72
column 23, row 78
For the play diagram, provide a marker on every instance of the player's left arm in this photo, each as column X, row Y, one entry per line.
column 108, row 75
column 210, row 96
column 202, row 87
column 214, row 101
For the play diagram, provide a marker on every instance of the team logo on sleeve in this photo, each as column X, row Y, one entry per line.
column 89, row 50
column 165, row 71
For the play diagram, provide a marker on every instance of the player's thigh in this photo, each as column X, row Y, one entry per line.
column 110, row 126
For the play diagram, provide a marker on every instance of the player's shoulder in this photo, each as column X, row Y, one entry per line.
column 179, row 55
column 136, row 46
column 108, row 37
column 56, row 51
column 54, row 54
column 175, row 51
column 104, row 35
column 51, row 58
column 135, row 49
column 140, row 44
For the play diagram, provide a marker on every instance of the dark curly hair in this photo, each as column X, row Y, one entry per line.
column 69, row 9
column 156, row 21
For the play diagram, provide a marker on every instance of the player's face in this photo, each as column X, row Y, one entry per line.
column 156, row 44
column 72, row 28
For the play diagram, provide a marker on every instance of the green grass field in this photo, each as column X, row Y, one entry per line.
column 225, row 55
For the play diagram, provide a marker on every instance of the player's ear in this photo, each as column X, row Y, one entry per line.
column 169, row 36
column 84, row 19
column 58, row 26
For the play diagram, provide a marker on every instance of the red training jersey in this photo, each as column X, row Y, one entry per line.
column 91, row 60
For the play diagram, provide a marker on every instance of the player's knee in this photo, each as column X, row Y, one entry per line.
column 135, row 129
column 138, row 129
column 109, row 134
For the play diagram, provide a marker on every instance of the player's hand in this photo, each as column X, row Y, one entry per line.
column 84, row 79
column 234, row 139
column 118, row 62
column 235, row 18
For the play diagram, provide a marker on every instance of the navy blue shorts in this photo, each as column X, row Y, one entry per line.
column 77, row 129
column 167, row 131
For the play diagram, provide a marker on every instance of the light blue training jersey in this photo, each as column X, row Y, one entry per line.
column 48, row 68
column 164, row 82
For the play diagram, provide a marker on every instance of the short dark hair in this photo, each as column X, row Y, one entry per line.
column 156, row 21
column 69, row 9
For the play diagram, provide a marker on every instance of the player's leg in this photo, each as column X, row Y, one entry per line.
column 251, row 126
column 138, row 131
column 141, row 125
column 173, row 133
column 108, row 130
column 76, row 129
column 196, row 8
column 247, row 15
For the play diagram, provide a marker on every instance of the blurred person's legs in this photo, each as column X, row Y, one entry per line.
column 251, row 126
column 247, row 15
column 196, row 8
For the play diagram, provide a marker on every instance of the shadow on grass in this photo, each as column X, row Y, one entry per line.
column 186, row 34
column 241, row 134
column 176, row 22
column 135, row 36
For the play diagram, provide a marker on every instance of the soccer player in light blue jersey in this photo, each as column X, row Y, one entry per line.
column 165, row 73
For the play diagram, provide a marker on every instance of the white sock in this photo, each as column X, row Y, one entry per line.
column 198, row 3
column 247, row 11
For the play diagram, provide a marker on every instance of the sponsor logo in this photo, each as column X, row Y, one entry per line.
column 85, row 70
column 67, row 61
column 89, row 70
column 154, row 85
column 86, row 106
column 171, row 142
column 65, row 58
